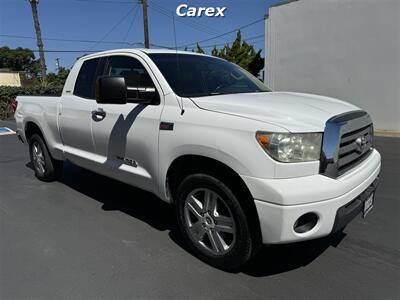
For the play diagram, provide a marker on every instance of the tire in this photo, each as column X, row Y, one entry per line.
column 45, row 167
column 218, row 234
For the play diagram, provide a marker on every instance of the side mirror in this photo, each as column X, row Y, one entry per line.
column 111, row 90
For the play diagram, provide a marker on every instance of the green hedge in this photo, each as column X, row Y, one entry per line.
column 9, row 93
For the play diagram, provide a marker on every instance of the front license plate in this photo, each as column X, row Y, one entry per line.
column 368, row 205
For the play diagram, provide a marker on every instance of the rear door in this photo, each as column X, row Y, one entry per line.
column 76, row 114
column 126, row 139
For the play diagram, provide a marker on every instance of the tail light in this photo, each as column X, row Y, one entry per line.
column 14, row 105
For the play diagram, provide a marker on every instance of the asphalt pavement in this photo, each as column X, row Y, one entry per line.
column 91, row 237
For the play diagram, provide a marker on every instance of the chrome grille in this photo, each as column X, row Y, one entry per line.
column 354, row 147
column 347, row 141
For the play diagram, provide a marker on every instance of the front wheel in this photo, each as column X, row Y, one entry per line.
column 213, row 222
column 46, row 168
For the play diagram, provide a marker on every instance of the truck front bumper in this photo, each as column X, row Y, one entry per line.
column 335, row 202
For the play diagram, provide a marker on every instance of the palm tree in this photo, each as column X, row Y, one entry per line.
column 34, row 4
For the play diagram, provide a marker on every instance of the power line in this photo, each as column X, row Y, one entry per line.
column 131, row 44
column 244, row 39
column 131, row 24
column 115, row 42
column 223, row 34
column 193, row 24
column 86, row 41
column 93, row 51
column 113, row 28
column 64, row 40
column 67, row 51
column 156, row 9
column 105, row 1
column 154, row 45
column 140, row 43
column 162, row 10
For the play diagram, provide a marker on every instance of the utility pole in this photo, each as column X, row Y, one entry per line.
column 34, row 4
column 145, row 24
column 58, row 64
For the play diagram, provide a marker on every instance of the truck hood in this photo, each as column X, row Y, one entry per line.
column 295, row 112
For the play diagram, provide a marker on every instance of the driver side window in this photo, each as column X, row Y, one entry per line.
column 139, row 84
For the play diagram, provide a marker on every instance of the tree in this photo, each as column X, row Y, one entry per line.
column 242, row 54
column 256, row 64
column 198, row 49
column 215, row 51
column 19, row 59
column 58, row 79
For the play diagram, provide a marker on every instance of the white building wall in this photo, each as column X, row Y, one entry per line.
column 347, row 49
column 10, row 79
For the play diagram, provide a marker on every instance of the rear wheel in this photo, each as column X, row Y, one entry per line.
column 46, row 168
column 213, row 223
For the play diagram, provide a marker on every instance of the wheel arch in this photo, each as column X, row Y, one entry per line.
column 32, row 125
column 186, row 165
column 31, row 128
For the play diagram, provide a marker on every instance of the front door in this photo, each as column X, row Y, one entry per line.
column 126, row 137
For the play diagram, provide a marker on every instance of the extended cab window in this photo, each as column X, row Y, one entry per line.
column 84, row 86
column 138, row 81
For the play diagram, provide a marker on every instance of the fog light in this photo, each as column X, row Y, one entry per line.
column 305, row 223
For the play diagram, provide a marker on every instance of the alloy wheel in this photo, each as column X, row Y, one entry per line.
column 209, row 221
column 38, row 158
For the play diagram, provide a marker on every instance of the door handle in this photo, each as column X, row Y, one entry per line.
column 98, row 114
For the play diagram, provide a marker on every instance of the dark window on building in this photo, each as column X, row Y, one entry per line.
column 84, row 85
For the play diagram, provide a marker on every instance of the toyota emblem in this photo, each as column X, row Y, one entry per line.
column 361, row 144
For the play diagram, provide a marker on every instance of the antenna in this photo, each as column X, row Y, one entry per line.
column 177, row 66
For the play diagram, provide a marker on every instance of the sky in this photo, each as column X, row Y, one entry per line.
column 121, row 21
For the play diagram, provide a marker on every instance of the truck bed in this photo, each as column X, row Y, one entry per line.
column 43, row 111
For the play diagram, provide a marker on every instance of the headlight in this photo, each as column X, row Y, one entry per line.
column 291, row 147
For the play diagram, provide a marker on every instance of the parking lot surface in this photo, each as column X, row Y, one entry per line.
column 90, row 237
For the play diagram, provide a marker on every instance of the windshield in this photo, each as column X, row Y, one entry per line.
column 197, row 75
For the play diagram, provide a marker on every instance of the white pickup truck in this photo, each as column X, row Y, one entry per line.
column 243, row 165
